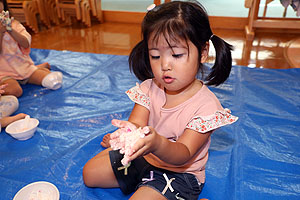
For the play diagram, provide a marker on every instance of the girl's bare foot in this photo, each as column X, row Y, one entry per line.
column 105, row 141
column 8, row 120
column 44, row 65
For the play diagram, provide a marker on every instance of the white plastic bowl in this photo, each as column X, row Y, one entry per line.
column 38, row 190
column 22, row 129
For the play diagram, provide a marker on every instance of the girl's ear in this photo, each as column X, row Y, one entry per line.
column 204, row 53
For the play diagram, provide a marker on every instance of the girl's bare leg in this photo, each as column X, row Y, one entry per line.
column 13, row 88
column 105, row 141
column 147, row 193
column 38, row 75
column 98, row 172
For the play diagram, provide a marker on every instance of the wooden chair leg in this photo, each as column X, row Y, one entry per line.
column 58, row 9
column 156, row 2
column 86, row 17
column 99, row 11
column 30, row 15
column 252, row 16
column 78, row 9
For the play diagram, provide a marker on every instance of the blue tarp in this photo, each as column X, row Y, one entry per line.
column 255, row 158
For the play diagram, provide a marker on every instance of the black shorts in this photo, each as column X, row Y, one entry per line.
column 140, row 173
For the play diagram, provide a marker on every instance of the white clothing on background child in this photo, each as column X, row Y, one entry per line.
column 8, row 105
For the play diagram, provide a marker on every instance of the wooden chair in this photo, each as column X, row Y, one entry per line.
column 25, row 12
column 51, row 11
column 96, row 9
column 157, row 2
column 85, row 11
column 70, row 8
column 42, row 11
column 266, row 22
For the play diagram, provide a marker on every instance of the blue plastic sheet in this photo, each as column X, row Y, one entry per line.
column 255, row 158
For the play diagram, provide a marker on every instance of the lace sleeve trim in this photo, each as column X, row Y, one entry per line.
column 138, row 96
column 211, row 122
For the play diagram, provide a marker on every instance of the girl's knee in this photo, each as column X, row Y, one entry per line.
column 88, row 175
column 12, row 88
column 18, row 92
column 15, row 91
column 98, row 172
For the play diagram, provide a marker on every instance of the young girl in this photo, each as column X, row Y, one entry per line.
column 16, row 66
column 8, row 105
column 180, row 111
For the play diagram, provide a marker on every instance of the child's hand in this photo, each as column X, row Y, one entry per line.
column 106, row 140
column 124, row 126
column 5, row 121
column 5, row 21
column 148, row 144
column 125, row 138
column 2, row 88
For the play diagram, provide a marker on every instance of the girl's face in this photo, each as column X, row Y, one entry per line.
column 174, row 66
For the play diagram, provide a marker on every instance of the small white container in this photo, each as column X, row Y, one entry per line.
column 38, row 190
column 53, row 80
column 22, row 129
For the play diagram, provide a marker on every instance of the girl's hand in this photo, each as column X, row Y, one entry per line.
column 148, row 144
column 121, row 124
column 7, row 120
column 142, row 146
column 124, row 126
column 2, row 88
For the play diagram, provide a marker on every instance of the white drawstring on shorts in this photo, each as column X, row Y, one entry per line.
column 145, row 180
column 125, row 167
column 179, row 198
column 168, row 185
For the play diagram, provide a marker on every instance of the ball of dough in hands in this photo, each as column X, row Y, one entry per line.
column 126, row 140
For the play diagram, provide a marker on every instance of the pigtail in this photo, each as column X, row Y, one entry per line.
column 223, row 62
column 139, row 62
column 5, row 6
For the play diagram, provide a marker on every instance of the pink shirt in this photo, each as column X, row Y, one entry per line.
column 202, row 113
column 15, row 61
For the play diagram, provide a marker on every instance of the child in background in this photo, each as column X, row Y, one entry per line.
column 180, row 110
column 16, row 66
column 8, row 105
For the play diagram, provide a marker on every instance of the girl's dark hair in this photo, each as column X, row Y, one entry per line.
column 181, row 20
column 5, row 5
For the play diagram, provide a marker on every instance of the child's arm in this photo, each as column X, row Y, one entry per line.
column 139, row 116
column 19, row 38
column 6, row 22
column 2, row 31
column 174, row 153
column 7, row 120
